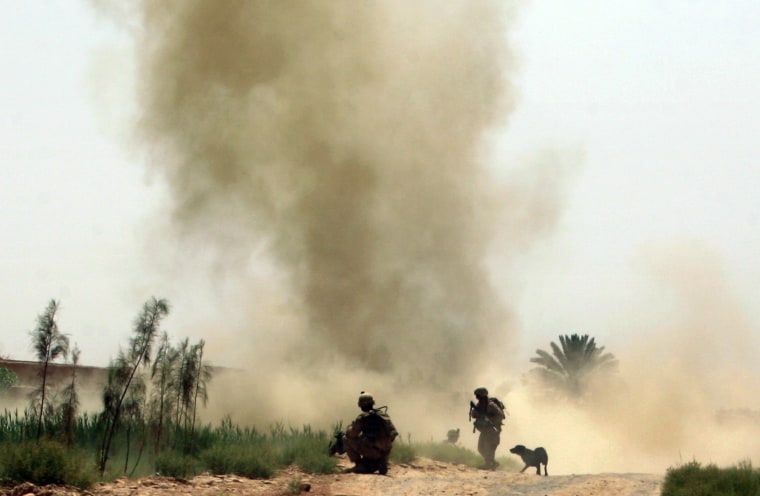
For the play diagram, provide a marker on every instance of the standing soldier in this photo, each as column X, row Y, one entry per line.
column 369, row 438
column 489, row 416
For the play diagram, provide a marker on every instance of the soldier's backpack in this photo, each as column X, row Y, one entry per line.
column 375, row 427
column 499, row 403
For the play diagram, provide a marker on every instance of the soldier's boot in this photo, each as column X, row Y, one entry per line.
column 490, row 464
column 358, row 468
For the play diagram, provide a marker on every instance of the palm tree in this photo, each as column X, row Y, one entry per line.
column 573, row 364
column 48, row 344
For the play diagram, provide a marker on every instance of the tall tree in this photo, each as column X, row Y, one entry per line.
column 162, row 373
column 133, row 410
column 70, row 403
column 180, row 382
column 138, row 355
column 572, row 364
column 191, row 381
column 202, row 377
column 49, row 344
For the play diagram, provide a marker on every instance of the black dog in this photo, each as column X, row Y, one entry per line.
column 532, row 458
column 452, row 436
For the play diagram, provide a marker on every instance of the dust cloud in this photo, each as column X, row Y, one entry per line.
column 686, row 387
column 344, row 137
column 340, row 145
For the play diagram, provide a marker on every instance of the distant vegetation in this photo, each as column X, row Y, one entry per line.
column 452, row 453
column 693, row 479
column 572, row 366
column 7, row 379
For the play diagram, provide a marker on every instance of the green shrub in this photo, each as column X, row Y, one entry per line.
column 449, row 453
column 692, row 479
column 295, row 485
column 317, row 463
column 8, row 378
column 307, row 450
column 173, row 464
column 47, row 462
column 403, row 453
column 255, row 461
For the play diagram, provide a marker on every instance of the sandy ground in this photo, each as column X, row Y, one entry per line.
column 423, row 477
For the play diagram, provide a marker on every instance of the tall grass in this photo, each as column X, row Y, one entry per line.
column 222, row 449
column 693, row 479
column 452, row 453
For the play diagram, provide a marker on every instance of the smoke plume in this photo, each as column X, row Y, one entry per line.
column 345, row 139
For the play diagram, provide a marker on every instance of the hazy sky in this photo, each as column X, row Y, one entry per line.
column 658, row 101
column 628, row 165
column 649, row 108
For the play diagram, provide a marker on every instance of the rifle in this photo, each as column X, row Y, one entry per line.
column 336, row 446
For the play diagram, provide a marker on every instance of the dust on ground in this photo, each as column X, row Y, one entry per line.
column 422, row 477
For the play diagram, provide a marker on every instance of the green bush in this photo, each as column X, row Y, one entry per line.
column 449, row 453
column 307, row 450
column 255, row 461
column 8, row 378
column 173, row 464
column 46, row 462
column 403, row 453
column 692, row 479
column 317, row 463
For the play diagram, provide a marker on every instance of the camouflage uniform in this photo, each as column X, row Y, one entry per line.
column 489, row 418
column 369, row 438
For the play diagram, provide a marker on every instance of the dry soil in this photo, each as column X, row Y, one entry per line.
column 423, row 477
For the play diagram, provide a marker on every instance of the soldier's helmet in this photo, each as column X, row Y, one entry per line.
column 366, row 400
column 480, row 392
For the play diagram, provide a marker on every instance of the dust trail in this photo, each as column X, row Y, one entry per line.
column 345, row 137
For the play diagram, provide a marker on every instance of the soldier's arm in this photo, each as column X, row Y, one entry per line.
column 355, row 428
column 475, row 411
column 392, row 429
